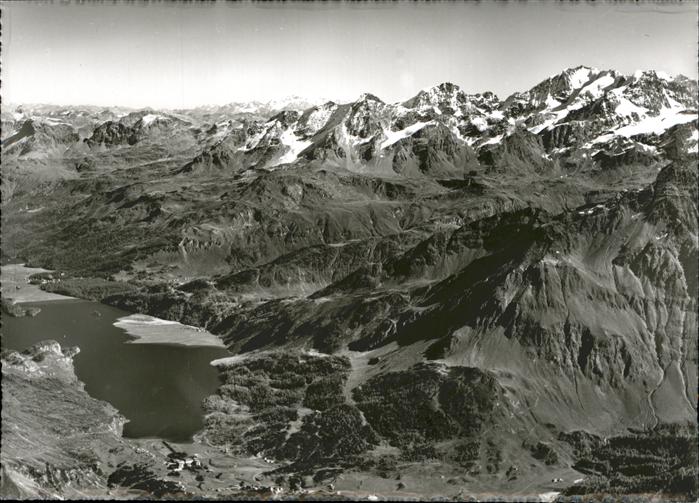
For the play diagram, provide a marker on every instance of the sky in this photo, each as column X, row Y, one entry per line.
column 179, row 55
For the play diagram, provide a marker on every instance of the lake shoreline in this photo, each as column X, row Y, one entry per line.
column 141, row 328
column 159, row 388
column 16, row 287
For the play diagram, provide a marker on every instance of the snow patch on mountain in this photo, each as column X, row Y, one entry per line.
column 294, row 146
column 578, row 78
column 149, row 118
column 554, row 118
column 480, row 123
column 254, row 140
column 318, row 118
column 51, row 121
column 626, row 108
column 469, row 140
column 395, row 136
column 496, row 115
column 656, row 125
column 596, row 87
column 551, row 102
column 493, row 140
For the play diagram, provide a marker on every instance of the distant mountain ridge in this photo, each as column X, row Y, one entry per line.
column 594, row 111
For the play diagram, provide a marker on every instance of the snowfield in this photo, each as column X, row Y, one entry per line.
column 395, row 136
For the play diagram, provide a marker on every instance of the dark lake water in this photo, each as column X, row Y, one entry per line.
column 159, row 388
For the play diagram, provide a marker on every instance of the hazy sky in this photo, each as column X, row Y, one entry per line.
column 174, row 55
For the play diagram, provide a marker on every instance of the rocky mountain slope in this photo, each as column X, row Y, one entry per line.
column 65, row 454
column 481, row 283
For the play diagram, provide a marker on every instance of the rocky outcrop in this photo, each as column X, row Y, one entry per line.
column 14, row 309
column 143, row 126
column 55, row 437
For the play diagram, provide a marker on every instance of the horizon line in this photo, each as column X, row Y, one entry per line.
column 321, row 101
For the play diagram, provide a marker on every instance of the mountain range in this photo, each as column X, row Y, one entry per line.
column 492, row 289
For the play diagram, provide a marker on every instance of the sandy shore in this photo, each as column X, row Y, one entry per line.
column 150, row 330
column 15, row 286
